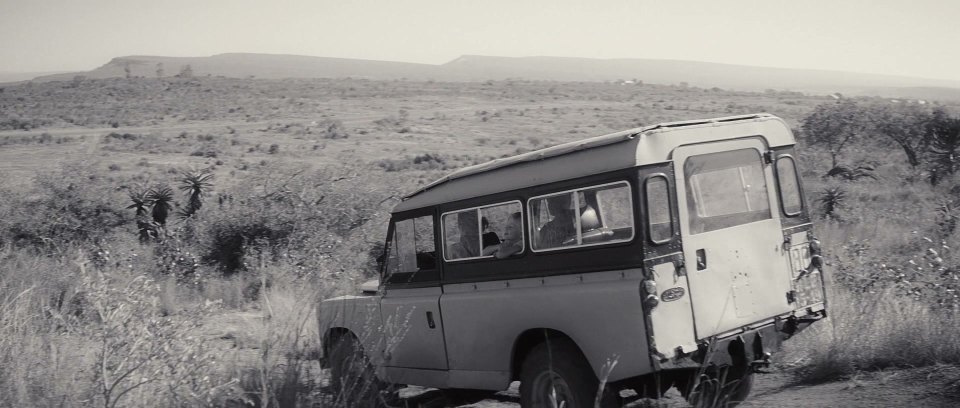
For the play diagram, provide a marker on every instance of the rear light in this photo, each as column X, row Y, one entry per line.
column 648, row 289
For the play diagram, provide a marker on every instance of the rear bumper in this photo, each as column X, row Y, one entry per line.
column 749, row 346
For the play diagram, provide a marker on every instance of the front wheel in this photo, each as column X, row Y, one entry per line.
column 556, row 375
column 352, row 379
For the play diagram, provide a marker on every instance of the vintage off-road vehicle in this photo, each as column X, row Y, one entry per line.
column 680, row 254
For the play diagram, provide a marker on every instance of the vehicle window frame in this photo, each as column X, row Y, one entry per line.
column 443, row 230
column 428, row 277
column 796, row 177
column 670, row 207
column 632, row 212
column 693, row 214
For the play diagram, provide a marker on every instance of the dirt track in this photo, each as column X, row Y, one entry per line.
column 917, row 387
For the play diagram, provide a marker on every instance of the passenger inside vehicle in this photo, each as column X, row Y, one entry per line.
column 555, row 232
column 490, row 238
column 469, row 244
column 512, row 237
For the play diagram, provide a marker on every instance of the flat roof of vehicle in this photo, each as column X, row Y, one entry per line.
column 614, row 151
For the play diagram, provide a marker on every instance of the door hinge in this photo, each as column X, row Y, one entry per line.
column 792, row 296
column 768, row 156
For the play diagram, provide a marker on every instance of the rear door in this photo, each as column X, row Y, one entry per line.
column 732, row 237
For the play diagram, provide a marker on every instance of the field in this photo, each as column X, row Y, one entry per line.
column 100, row 305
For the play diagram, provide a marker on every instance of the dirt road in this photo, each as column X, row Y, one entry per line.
column 917, row 387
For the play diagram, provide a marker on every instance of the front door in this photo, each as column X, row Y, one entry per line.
column 732, row 240
column 410, row 307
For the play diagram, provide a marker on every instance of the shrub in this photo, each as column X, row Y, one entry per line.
column 426, row 161
column 72, row 205
column 332, row 129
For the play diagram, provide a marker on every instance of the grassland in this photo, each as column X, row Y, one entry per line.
column 305, row 173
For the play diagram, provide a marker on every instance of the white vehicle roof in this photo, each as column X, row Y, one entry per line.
column 614, row 151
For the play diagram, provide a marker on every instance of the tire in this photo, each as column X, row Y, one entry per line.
column 555, row 374
column 352, row 379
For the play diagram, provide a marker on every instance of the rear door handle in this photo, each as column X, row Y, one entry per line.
column 701, row 259
column 430, row 322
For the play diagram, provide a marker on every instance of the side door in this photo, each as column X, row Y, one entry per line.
column 410, row 306
column 732, row 237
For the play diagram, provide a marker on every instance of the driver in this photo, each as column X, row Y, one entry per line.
column 561, row 227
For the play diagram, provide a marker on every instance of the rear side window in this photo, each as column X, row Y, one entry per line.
column 725, row 189
column 494, row 231
column 412, row 246
column 790, row 198
column 589, row 216
column 658, row 209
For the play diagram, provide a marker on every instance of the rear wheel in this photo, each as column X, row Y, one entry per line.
column 352, row 379
column 556, row 375
column 724, row 387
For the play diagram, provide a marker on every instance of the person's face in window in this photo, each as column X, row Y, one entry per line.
column 512, row 231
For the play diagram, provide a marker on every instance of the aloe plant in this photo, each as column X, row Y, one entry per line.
column 195, row 184
column 162, row 199
column 141, row 203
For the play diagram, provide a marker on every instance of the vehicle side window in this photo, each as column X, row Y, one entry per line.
column 412, row 247
column 789, row 186
column 483, row 232
column 658, row 209
column 725, row 189
column 589, row 216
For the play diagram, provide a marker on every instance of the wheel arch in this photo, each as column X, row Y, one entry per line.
column 330, row 337
column 529, row 339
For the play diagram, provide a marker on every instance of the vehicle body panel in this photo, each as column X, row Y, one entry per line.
column 601, row 312
column 672, row 320
column 357, row 315
column 413, row 328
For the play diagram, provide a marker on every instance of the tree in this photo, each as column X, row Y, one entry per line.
column 906, row 125
column 944, row 134
column 834, row 126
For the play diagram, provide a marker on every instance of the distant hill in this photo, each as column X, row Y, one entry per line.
column 481, row 68
column 6, row 76
column 253, row 65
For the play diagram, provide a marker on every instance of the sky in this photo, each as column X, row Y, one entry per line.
column 916, row 38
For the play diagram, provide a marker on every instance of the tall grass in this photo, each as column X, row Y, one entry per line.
column 874, row 330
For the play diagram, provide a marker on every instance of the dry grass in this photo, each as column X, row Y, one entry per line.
column 873, row 331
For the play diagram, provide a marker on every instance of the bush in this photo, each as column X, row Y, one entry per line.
column 72, row 205
column 332, row 129
column 426, row 161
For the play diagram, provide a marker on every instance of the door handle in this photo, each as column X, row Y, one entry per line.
column 701, row 259
column 430, row 322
